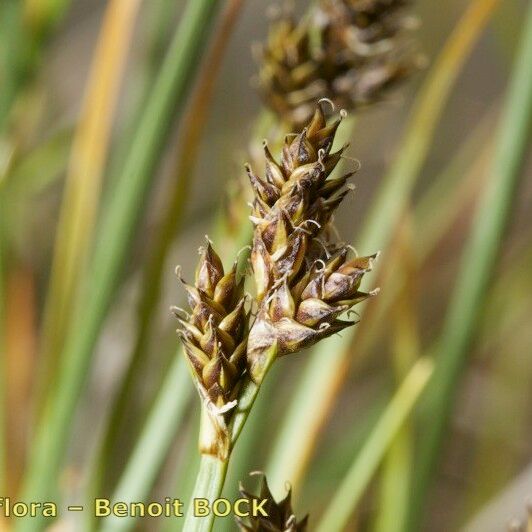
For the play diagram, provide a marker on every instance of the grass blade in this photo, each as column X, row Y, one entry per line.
column 324, row 374
column 20, row 357
column 363, row 468
column 151, row 449
column 394, row 496
column 75, row 231
column 478, row 261
column 3, row 376
column 508, row 369
column 116, row 232
column 192, row 130
column 186, row 471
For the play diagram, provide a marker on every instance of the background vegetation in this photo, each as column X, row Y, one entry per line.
column 124, row 126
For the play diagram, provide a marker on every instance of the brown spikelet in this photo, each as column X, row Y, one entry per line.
column 302, row 285
column 214, row 334
column 350, row 51
column 280, row 516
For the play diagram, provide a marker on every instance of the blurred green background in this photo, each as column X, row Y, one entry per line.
column 47, row 68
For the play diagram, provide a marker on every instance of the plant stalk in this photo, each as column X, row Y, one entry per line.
column 209, row 484
column 156, row 437
column 366, row 462
column 192, row 129
column 247, row 397
column 395, row 478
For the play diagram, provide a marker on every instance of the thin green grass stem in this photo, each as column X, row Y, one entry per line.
column 394, row 488
column 181, row 183
column 351, row 489
column 160, row 431
column 115, row 234
column 209, row 484
column 478, row 262
column 185, row 476
column 211, row 488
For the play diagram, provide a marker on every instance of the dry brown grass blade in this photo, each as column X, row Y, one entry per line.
column 193, row 126
column 20, row 363
column 84, row 177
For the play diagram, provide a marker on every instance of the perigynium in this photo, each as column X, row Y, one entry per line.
column 305, row 280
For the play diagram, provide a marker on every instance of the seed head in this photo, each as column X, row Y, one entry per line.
column 293, row 202
column 280, row 518
column 214, row 335
column 302, row 287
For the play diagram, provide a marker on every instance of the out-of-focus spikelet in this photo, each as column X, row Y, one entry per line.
column 350, row 51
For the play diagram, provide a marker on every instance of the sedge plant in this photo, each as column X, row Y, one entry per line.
column 356, row 55
column 304, row 281
column 278, row 516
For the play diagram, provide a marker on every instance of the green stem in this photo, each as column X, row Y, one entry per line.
column 151, row 449
column 184, row 476
column 396, row 470
column 366, row 462
column 478, row 262
column 209, row 484
column 115, row 236
column 156, row 33
column 202, row 488
column 250, row 391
